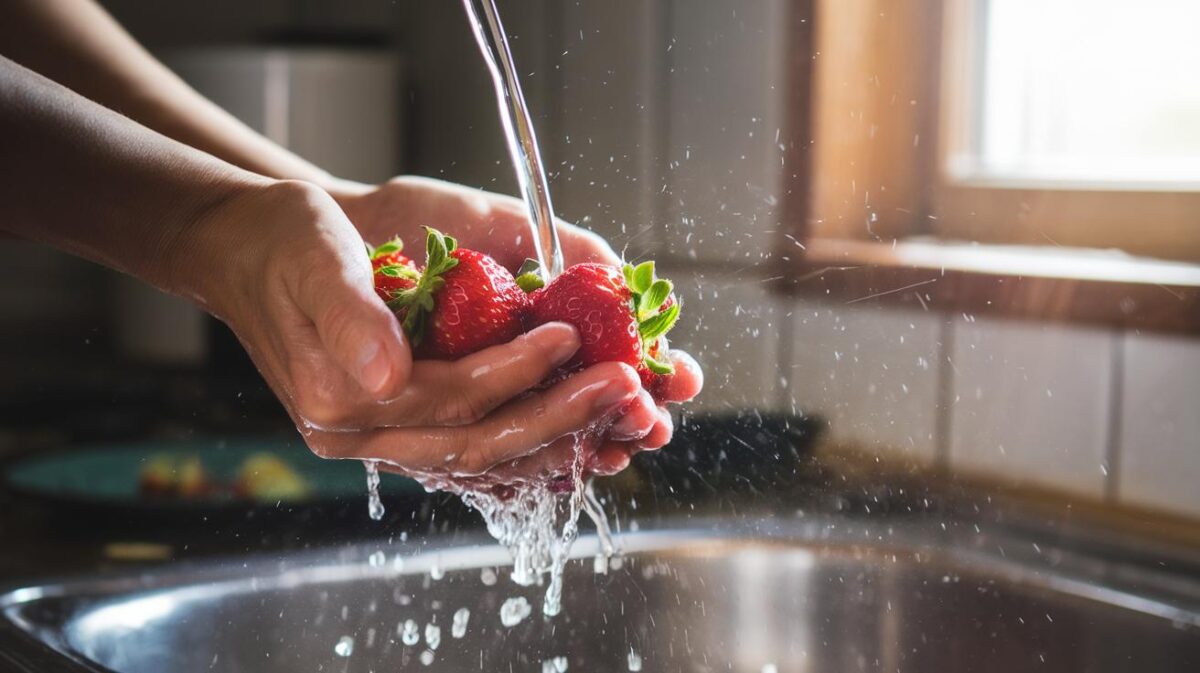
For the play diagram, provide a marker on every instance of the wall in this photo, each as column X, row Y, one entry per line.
column 1097, row 414
column 659, row 121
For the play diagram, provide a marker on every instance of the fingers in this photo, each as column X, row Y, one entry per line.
column 516, row 429
column 638, row 419
column 685, row 383
column 360, row 334
column 468, row 389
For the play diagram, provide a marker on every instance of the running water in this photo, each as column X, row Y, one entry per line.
column 537, row 525
column 518, row 130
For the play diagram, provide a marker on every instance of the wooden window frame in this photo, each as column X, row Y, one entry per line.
column 1159, row 222
column 843, row 244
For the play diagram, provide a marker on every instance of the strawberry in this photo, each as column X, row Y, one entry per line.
column 393, row 270
column 462, row 302
column 622, row 315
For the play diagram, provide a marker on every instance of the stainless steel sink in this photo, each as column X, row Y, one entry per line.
column 825, row 595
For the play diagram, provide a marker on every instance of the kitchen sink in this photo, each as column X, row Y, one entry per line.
column 798, row 594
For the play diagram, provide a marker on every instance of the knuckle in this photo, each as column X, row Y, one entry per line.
column 319, row 409
column 464, row 455
column 460, row 408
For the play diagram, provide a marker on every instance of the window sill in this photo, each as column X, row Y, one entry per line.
column 1055, row 284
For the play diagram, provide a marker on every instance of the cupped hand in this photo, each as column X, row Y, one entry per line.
column 282, row 265
column 499, row 226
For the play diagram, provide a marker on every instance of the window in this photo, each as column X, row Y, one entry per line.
column 1102, row 94
column 1071, row 124
column 1063, row 123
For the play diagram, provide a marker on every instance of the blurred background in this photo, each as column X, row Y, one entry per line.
column 959, row 237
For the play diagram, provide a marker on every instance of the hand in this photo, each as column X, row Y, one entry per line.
column 280, row 263
column 499, row 226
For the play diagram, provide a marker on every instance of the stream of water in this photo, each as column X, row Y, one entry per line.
column 537, row 525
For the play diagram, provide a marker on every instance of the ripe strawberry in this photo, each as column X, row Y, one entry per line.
column 462, row 302
column 393, row 270
column 622, row 315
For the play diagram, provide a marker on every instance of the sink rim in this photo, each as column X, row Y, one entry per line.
column 1001, row 552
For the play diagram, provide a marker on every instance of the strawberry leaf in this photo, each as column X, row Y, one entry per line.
column 643, row 276
column 658, row 325
column 398, row 271
column 652, row 300
column 394, row 245
column 658, row 366
column 529, row 276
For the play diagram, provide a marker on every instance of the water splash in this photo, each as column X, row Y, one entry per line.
column 374, row 504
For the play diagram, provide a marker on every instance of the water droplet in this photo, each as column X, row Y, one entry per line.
column 433, row 635
column 410, row 635
column 377, row 559
column 344, row 646
column 635, row 660
column 458, row 628
column 488, row 577
column 374, row 504
column 514, row 610
column 555, row 665
column 427, row 657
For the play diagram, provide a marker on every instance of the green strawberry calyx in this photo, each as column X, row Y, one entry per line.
column 529, row 276
column 392, row 270
column 656, row 312
column 416, row 303
column 386, row 248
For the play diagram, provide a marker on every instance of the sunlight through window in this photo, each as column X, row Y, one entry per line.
column 1104, row 92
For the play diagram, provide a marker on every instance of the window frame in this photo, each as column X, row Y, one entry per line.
column 1139, row 219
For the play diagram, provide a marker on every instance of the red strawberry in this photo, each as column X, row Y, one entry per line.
column 622, row 315
column 394, row 271
column 462, row 302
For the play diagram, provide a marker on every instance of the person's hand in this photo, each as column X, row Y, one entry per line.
column 281, row 264
column 499, row 226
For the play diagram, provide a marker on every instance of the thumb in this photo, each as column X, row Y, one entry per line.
column 359, row 332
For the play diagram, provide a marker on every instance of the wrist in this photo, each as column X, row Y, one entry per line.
column 216, row 245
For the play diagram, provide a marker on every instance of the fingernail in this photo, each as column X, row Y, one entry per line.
column 637, row 422
column 564, row 351
column 375, row 368
column 630, row 427
column 616, row 391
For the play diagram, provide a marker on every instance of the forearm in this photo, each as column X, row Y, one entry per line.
column 80, row 177
column 77, row 44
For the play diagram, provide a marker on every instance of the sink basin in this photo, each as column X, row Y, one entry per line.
column 802, row 595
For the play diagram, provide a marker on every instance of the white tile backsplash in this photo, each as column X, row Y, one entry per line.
column 872, row 373
column 731, row 324
column 607, row 140
column 726, row 89
column 1031, row 402
column 1160, row 424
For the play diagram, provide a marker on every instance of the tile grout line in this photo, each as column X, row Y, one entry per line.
column 1112, row 451
column 785, row 350
column 945, row 390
